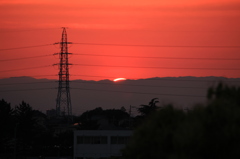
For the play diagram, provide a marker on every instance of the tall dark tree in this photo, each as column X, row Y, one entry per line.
column 117, row 117
column 24, row 128
column 7, row 127
column 224, row 93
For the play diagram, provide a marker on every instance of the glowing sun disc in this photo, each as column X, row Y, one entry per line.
column 119, row 79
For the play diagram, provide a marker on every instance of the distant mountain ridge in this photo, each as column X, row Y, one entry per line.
column 86, row 95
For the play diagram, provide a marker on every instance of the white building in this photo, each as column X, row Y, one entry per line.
column 99, row 143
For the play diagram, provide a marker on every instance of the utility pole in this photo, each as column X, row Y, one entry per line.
column 63, row 102
column 129, row 120
column 130, row 115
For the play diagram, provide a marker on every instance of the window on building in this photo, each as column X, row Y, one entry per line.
column 119, row 139
column 91, row 139
column 80, row 140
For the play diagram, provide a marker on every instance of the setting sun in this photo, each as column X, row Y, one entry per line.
column 119, row 79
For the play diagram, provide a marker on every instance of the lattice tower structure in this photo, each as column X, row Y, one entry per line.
column 63, row 101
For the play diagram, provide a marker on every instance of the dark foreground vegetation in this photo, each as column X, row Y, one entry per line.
column 27, row 132
column 160, row 131
column 205, row 132
column 30, row 133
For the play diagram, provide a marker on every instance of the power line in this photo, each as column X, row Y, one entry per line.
column 140, row 85
column 26, row 83
column 181, row 95
column 25, row 47
column 94, row 76
column 29, row 76
column 18, row 90
column 23, row 58
column 178, row 46
column 122, row 84
column 183, row 68
column 26, row 30
column 99, row 90
column 157, row 57
column 153, row 78
column 42, row 75
column 87, row 82
column 160, row 78
column 25, row 68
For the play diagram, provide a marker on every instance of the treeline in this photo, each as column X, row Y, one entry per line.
column 27, row 132
column 203, row 132
column 99, row 119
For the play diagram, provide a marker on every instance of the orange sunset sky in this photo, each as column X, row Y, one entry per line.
column 190, row 38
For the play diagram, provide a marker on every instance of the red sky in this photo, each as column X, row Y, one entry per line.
column 132, row 22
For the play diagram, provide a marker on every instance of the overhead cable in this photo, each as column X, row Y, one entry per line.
column 181, row 95
column 25, row 47
column 136, row 85
column 158, row 57
column 178, row 46
column 161, row 78
column 28, row 68
column 18, row 90
column 183, row 68
column 23, row 58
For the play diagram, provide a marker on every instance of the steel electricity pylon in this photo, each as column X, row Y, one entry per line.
column 63, row 101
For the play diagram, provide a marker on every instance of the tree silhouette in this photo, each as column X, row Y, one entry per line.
column 148, row 109
column 24, row 128
column 29, row 132
column 89, row 120
column 224, row 93
column 7, row 127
